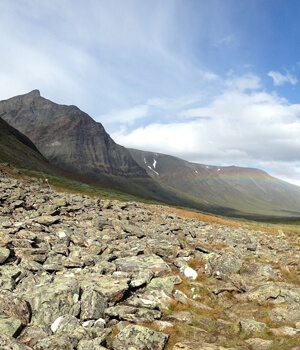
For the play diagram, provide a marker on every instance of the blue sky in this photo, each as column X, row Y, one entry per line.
column 213, row 82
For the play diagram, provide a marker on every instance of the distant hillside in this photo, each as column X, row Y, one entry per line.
column 230, row 190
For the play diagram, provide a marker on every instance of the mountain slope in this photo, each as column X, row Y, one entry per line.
column 18, row 150
column 68, row 137
column 71, row 140
column 230, row 190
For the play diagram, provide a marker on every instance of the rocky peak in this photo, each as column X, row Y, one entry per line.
column 34, row 94
column 69, row 138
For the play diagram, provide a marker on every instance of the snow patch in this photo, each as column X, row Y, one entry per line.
column 153, row 170
column 196, row 171
column 55, row 143
column 145, row 161
column 219, row 169
column 207, row 167
column 154, row 163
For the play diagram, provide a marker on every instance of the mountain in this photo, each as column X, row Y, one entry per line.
column 18, row 150
column 64, row 137
column 68, row 137
column 228, row 190
column 71, row 140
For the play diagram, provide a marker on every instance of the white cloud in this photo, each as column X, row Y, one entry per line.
column 242, row 125
column 281, row 79
column 125, row 116
column 228, row 40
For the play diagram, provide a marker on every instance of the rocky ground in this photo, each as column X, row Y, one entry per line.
column 90, row 274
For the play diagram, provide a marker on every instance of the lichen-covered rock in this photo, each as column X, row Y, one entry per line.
column 9, row 343
column 259, row 344
column 252, row 326
column 14, row 306
column 181, row 317
column 163, row 283
column 93, row 305
column 136, row 337
column 8, row 276
column 111, row 288
column 264, row 292
column 32, row 335
column 93, row 344
column 55, row 342
column 51, row 300
column 47, row 219
column 135, row 314
column 4, row 254
column 136, row 263
column 225, row 264
column 10, row 326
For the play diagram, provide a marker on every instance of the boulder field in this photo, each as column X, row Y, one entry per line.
column 84, row 273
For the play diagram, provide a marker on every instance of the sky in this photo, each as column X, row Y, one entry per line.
column 213, row 82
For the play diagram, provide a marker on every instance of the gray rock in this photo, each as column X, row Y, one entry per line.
column 134, row 314
column 93, row 344
column 9, row 343
column 252, row 326
column 4, row 254
column 163, row 283
column 153, row 262
column 47, row 220
column 14, row 306
column 259, row 344
column 10, row 326
column 9, row 274
column 51, row 300
column 181, row 317
column 93, row 305
column 32, row 335
column 139, row 338
column 111, row 288
column 55, row 342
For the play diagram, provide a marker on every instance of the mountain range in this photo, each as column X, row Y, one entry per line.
column 36, row 132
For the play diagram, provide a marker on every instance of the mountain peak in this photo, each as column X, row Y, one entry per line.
column 34, row 93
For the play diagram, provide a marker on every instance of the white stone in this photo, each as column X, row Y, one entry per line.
column 190, row 273
column 75, row 298
column 56, row 324
column 88, row 323
column 100, row 323
column 62, row 234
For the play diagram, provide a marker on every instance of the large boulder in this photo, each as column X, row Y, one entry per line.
column 136, row 337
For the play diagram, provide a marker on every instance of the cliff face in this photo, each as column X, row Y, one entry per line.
column 68, row 137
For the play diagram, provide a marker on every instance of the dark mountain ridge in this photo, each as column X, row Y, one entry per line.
column 242, row 191
column 68, row 137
